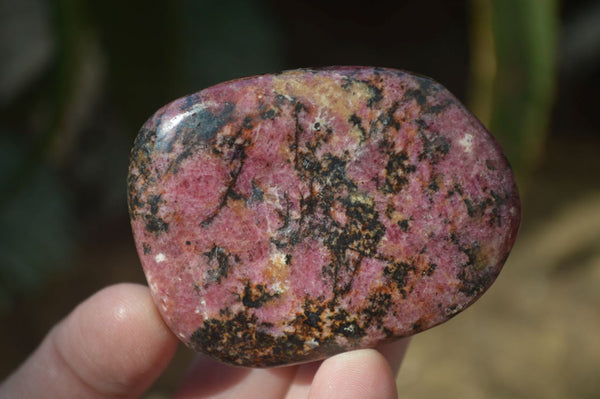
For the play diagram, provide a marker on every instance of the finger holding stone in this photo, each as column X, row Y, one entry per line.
column 300, row 386
column 208, row 378
column 112, row 345
column 357, row 374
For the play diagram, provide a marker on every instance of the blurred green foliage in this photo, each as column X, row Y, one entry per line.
column 514, row 46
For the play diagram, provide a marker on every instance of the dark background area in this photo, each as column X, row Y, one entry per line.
column 78, row 79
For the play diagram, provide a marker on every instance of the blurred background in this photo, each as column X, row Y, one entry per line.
column 78, row 79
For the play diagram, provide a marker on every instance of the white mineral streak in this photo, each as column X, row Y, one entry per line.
column 202, row 309
column 277, row 262
column 467, row 142
column 151, row 282
column 323, row 120
column 164, row 305
column 278, row 259
column 277, row 288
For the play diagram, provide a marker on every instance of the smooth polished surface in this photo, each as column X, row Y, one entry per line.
column 285, row 218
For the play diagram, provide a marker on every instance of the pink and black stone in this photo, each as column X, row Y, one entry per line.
column 288, row 217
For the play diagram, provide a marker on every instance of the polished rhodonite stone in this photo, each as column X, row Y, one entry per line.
column 288, row 217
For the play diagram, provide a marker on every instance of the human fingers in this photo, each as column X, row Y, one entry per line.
column 210, row 379
column 357, row 374
column 393, row 352
column 113, row 345
column 300, row 385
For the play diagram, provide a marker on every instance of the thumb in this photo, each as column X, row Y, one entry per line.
column 113, row 345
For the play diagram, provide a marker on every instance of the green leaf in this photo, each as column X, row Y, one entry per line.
column 514, row 74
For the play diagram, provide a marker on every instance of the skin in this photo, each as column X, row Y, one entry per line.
column 115, row 344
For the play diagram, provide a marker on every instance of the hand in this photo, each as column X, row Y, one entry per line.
column 114, row 345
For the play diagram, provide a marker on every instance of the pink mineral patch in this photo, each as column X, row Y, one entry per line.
column 285, row 218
